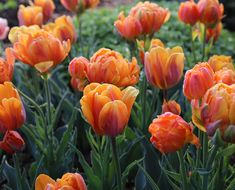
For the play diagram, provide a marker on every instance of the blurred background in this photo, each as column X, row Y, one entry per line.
column 8, row 9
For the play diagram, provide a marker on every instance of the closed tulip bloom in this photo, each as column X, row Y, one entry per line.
column 71, row 5
column 69, row 181
column 128, row 27
column 90, row 3
column 164, row 67
column 143, row 46
column 3, row 28
column 41, row 50
column 63, row 28
column 78, row 67
column 171, row 106
column 150, row 15
column 12, row 142
column 7, row 66
column 216, row 111
column 226, row 76
column 107, row 108
column 210, row 12
column 217, row 62
column 48, row 8
column 214, row 33
column 30, row 15
column 198, row 80
column 188, row 12
column 12, row 113
column 78, row 84
column 107, row 66
column 170, row 133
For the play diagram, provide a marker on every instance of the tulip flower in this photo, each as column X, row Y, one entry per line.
column 3, row 28
column 188, row 12
column 31, row 15
column 48, row 8
column 210, row 12
column 164, row 67
column 214, row 33
column 225, row 75
column 217, row 62
column 128, row 27
column 216, row 111
column 12, row 113
column 170, row 133
column 171, row 106
column 198, row 80
column 150, row 15
column 41, row 50
column 73, row 181
column 63, row 28
column 105, row 66
column 7, row 66
column 145, row 46
column 12, row 142
column 79, row 5
column 107, row 108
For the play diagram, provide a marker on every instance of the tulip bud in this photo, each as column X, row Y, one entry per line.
column 3, row 28
column 210, row 12
column 214, row 33
column 171, row 106
column 48, row 8
column 78, row 67
column 188, row 12
column 226, row 76
column 217, row 62
column 198, row 80
column 12, row 142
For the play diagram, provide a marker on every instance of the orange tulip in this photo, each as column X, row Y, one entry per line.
column 40, row 50
column 71, row 5
column 210, row 11
column 145, row 46
column 105, row 66
column 128, row 27
column 12, row 113
column 217, row 62
column 90, row 3
column 4, row 28
column 30, row 15
column 62, row 28
column 171, row 106
column 188, row 12
column 226, row 76
column 107, row 108
column 170, row 133
column 7, row 66
column 198, row 80
column 216, row 111
column 12, row 142
column 150, row 15
column 214, row 33
column 69, row 181
column 164, row 67
column 48, row 8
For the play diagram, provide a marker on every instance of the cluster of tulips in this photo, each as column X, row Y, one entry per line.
column 109, row 82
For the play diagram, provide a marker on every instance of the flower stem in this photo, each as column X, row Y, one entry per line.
column 17, row 168
column 48, row 97
column 144, row 101
column 182, row 169
column 117, row 164
column 204, row 44
column 164, row 93
column 205, row 156
column 192, row 45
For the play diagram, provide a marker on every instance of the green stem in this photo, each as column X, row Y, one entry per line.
column 117, row 164
column 182, row 169
column 192, row 45
column 101, row 160
column 164, row 93
column 48, row 97
column 144, row 101
column 205, row 159
column 204, row 44
column 198, row 156
column 18, row 175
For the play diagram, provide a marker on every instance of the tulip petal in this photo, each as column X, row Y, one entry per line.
column 42, row 181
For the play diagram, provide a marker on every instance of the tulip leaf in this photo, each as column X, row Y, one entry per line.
column 229, row 151
column 10, row 174
column 151, row 181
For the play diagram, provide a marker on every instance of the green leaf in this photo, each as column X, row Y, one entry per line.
column 152, row 183
column 229, row 151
